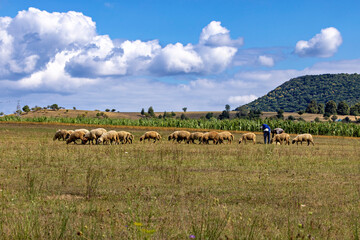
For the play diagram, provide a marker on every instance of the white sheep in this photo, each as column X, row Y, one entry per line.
column 108, row 137
column 303, row 138
column 248, row 136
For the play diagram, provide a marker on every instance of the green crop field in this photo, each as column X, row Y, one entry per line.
column 50, row 190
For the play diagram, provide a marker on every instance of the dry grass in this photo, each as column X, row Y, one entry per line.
column 52, row 190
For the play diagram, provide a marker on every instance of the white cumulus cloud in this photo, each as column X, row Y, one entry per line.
column 35, row 41
column 266, row 61
column 323, row 44
column 241, row 99
column 216, row 35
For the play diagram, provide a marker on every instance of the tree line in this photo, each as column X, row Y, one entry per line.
column 331, row 108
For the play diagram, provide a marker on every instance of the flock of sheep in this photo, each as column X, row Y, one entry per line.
column 100, row 135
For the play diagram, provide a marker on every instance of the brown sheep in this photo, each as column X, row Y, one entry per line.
column 179, row 136
column 195, row 136
column 94, row 134
column 303, row 138
column 61, row 134
column 108, row 137
column 279, row 138
column 150, row 135
column 209, row 136
column 75, row 136
column 224, row 136
column 248, row 136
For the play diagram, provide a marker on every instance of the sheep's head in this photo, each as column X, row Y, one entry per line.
column 100, row 140
column 142, row 138
column 84, row 141
column 170, row 137
column 293, row 141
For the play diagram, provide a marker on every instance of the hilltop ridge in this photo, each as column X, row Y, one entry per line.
column 296, row 94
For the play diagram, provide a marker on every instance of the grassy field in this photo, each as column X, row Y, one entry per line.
column 50, row 190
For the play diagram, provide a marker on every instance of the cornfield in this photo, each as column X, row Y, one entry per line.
column 316, row 128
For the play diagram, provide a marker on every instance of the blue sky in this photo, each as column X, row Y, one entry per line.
column 197, row 54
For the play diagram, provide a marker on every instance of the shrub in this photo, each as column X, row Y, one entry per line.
column 291, row 118
column 280, row 114
column 209, row 115
column 183, row 117
column 151, row 112
column 334, row 117
column 300, row 119
column 301, row 112
column 54, row 107
column 26, row 108
column 107, row 110
column 346, row 120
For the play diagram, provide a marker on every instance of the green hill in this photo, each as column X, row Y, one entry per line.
column 295, row 94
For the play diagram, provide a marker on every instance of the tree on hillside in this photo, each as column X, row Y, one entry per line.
column 226, row 113
column 330, row 107
column 280, row 114
column 242, row 112
column 312, row 107
column 184, row 109
column 343, row 108
column 26, row 108
column 209, row 115
column 254, row 114
column 54, row 107
column 355, row 110
column 321, row 107
column 151, row 111
column 227, row 107
column 142, row 111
